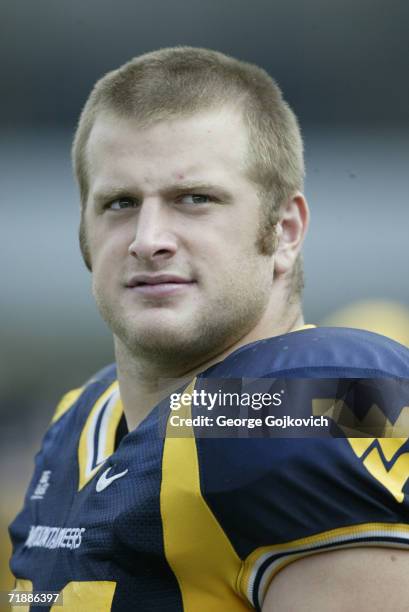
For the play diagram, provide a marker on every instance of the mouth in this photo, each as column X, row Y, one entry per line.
column 161, row 285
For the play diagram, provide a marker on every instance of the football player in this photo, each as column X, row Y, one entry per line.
column 190, row 169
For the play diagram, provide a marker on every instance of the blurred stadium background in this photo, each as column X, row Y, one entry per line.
column 343, row 67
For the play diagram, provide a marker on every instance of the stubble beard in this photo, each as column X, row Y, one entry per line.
column 213, row 329
column 185, row 344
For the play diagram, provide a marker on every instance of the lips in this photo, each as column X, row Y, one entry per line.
column 141, row 280
column 159, row 287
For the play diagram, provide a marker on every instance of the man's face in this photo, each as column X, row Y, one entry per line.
column 172, row 224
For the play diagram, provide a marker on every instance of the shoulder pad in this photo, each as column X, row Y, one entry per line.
column 326, row 352
column 105, row 376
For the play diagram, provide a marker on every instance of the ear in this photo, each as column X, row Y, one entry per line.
column 290, row 231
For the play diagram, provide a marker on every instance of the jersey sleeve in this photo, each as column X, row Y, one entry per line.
column 297, row 497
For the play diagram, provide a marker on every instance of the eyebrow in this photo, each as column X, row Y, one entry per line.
column 198, row 187
column 107, row 193
column 110, row 192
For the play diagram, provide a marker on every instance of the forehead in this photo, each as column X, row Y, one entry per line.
column 210, row 145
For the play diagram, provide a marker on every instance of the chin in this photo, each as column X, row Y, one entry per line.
column 161, row 332
column 162, row 322
column 165, row 349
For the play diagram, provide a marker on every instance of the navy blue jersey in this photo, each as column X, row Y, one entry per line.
column 119, row 520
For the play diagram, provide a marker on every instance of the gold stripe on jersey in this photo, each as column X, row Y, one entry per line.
column 105, row 444
column 197, row 549
column 65, row 403
column 114, row 417
column 281, row 555
column 75, row 596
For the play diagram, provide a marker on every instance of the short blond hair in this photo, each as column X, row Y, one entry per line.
column 181, row 81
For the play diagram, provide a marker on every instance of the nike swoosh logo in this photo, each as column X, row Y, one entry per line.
column 104, row 482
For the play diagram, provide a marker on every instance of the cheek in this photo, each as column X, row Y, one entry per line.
column 108, row 247
column 106, row 260
column 232, row 261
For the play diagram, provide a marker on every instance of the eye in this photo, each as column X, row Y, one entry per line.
column 195, row 198
column 122, row 203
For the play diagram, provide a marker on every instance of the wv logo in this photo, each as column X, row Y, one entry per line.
column 393, row 478
column 375, row 453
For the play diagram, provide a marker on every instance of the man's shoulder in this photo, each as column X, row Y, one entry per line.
column 87, row 393
column 369, row 353
column 318, row 352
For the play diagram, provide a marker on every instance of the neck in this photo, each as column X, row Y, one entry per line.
column 143, row 383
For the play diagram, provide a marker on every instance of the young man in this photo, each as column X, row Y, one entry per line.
column 190, row 170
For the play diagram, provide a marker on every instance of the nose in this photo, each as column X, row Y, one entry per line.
column 153, row 240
